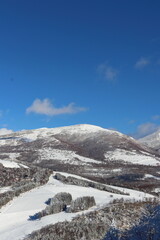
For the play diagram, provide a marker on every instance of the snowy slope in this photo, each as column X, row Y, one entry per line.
column 65, row 156
column 82, row 130
column 100, row 154
column 152, row 140
column 11, row 164
column 132, row 157
column 14, row 216
column 85, row 143
column 4, row 189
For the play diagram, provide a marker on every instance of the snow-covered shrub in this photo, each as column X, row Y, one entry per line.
column 81, row 204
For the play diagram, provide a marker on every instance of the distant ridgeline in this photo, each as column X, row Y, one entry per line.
column 147, row 229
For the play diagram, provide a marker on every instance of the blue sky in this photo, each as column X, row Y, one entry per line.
column 71, row 62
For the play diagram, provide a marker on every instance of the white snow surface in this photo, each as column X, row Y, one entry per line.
column 152, row 140
column 116, row 170
column 157, row 190
column 73, row 175
column 10, row 160
column 64, row 155
column 131, row 157
column 32, row 135
column 14, row 216
column 11, row 164
column 151, row 176
column 11, row 156
column 4, row 189
column 133, row 193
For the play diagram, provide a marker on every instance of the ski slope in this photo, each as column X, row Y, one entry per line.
column 14, row 216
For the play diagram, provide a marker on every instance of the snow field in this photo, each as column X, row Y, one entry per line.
column 131, row 157
column 14, row 216
column 11, row 164
column 64, row 155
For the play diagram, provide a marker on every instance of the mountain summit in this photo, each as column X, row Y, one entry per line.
column 152, row 140
column 87, row 150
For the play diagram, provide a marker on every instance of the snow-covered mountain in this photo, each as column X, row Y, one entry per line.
column 90, row 151
column 152, row 140
column 81, row 160
column 86, row 142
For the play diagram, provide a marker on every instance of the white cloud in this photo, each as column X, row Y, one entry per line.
column 45, row 107
column 141, row 63
column 145, row 129
column 109, row 73
column 4, row 131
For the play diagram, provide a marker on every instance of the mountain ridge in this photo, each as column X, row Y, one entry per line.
column 88, row 150
column 152, row 140
column 84, row 160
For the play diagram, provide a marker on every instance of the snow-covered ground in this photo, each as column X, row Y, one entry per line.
column 14, row 216
column 10, row 161
column 131, row 157
column 31, row 135
column 10, row 155
column 11, row 164
column 157, row 190
column 9, row 142
column 51, row 137
column 4, row 189
column 152, row 140
column 116, row 170
column 65, row 156
column 133, row 194
column 151, row 176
